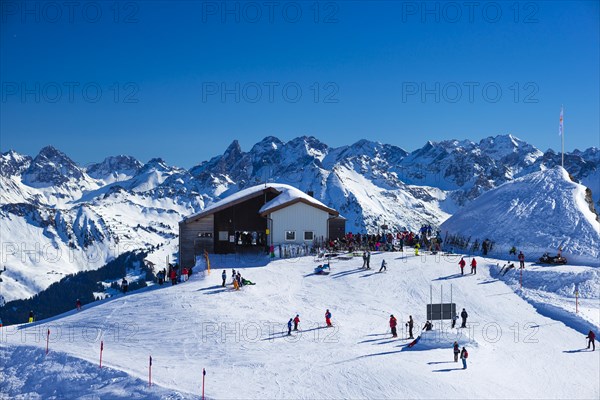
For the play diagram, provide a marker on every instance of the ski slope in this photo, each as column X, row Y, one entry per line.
column 240, row 337
column 537, row 213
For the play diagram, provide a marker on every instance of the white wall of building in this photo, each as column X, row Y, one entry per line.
column 300, row 218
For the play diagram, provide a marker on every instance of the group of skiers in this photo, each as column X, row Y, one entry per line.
column 462, row 263
column 367, row 262
column 464, row 354
column 390, row 241
column 162, row 275
column 428, row 325
column 236, row 279
column 296, row 321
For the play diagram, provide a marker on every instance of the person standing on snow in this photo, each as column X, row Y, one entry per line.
column 328, row 317
column 368, row 259
column 224, row 277
column 290, row 327
column 78, row 305
column 456, row 351
column 474, row 266
column 522, row 259
column 410, row 325
column 591, row 337
column 463, row 356
column 454, row 319
column 417, row 247
column 383, row 266
column 296, row 322
column 173, row 277
column 31, row 316
column 364, row 259
column 393, row 323
column 124, row 285
column 462, row 264
column 464, row 316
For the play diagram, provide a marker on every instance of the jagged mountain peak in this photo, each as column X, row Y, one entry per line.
column 51, row 152
column 51, row 167
column 233, row 152
column 156, row 163
column 306, row 147
column 114, row 168
column 13, row 163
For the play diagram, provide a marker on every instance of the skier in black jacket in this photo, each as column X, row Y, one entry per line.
column 410, row 325
column 464, row 316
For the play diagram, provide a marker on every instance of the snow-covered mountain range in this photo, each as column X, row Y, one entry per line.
column 58, row 217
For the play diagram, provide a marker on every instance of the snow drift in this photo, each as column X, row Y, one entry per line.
column 537, row 213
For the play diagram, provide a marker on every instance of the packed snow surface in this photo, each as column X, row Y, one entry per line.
column 515, row 349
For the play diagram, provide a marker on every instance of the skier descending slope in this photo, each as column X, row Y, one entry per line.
column 383, row 266
column 591, row 337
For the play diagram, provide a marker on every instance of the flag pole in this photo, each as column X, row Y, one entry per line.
column 562, row 137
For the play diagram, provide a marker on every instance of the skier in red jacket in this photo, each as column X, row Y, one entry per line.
column 462, row 264
column 296, row 322
column 521, row 259
column 591, row 337
column 328, row 317
column 474, row 266
column 393, row 323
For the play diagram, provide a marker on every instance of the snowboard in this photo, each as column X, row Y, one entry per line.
column 411, row 344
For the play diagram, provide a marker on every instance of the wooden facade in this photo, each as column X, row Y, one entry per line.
column 336, row 227
column 236, row 225
column 225, row 229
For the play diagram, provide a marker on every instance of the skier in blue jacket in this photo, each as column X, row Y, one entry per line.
column 290, row 326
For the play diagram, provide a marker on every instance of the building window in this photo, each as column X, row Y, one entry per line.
column 309, row 236
column 223, row 236
column 290, row 235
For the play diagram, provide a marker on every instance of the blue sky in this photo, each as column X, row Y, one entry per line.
column 181, row 80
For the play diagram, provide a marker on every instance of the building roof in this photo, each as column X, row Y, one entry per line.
column 286, row 195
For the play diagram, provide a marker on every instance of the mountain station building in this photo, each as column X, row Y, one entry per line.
column 258, row 217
